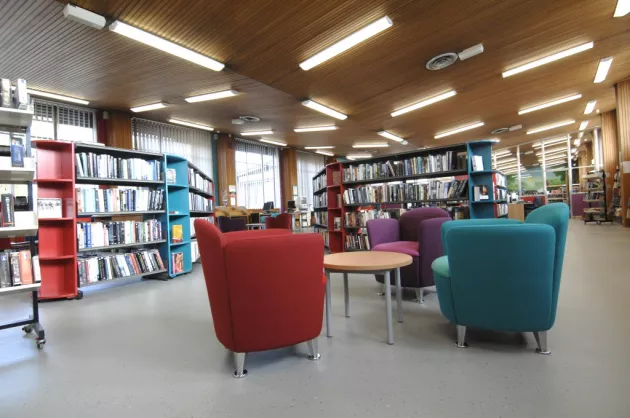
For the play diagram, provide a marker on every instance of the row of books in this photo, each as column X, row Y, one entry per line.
column 199, row 182
column 400, row 192
column 200, row 203
column 319, row 182
column 194, row 251
column 94, row 269
column 177, row 261
column 320, row 200
column 501, row 209
column 14, row 96
column 192, row 223
column 433, row 163
column 325, row 235
column 356, row 242
column 499, row 179
column 480, row 192
column 119, row 200
column 18, row 268
column 360, row 218
column 102, row 234
column 500, row 194
column 89, row 164
column 321, row 218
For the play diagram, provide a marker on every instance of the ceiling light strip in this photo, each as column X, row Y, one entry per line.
column 583, row 125
column 323, row 109
column 549, row 104
column 376, row 145
column 191, row 124
column 316, row 128
column 358, row 156
column 320, row 147
column 458, row 130
column 56, row 96
column 164, row 45
column 548, row 59
column 424, row 103
column 552, row 126
column 148, row 107
column 258, row 133
column 270, row 141
column 347, row 43
column 602, row 69
column 211, row 96
column 590, row 106
column 622, row 9
column 391, row 136
column 327, row 153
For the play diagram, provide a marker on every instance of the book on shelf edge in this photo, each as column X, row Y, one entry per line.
column 5, row 270
column 178, row 262
column 26, row 270
column 14, row 261
column 8, row 210
column 177, row 233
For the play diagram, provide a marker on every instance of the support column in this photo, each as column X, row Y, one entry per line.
column 610, row 147
column 622, row 90
column 288, row 175
column 226, row 167
column 118, row 130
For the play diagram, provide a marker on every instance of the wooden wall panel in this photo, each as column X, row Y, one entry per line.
column 288, row 174
column 118, row 130
column 622, row 90
column 610, row 148
column 226, row 166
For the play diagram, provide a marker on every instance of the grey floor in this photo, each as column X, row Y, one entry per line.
column 148, row 350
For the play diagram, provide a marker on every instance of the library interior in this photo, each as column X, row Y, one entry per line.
column 344, row 207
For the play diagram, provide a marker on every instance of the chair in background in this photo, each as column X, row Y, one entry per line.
column 273, row 299
column 231, row 224
column 281, row 221
column 417, row 233
column 503, row 274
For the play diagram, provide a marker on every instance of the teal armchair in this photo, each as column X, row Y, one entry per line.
column 503, row 274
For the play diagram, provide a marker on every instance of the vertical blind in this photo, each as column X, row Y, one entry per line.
column 308, row 165
column 63, row 122
column 193, row 144
column 257, row 174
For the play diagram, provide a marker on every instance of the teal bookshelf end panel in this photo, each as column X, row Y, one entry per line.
column 483, row 149
column 177, row 214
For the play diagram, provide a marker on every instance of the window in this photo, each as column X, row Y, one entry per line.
column 63, row 122
column 308, row 165
column 257, row 175
column 193, row 144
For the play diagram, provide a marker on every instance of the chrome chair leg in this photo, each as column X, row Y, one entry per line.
column 461, row 337
column 541, row 340
column 382, row 292
column 312, row 350
column 419, row 295
column 239, row 362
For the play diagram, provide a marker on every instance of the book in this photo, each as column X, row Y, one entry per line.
column 177, row 233
column 21, row 96
column 477, row 163
column 480, row 192
column 17, row 150
column 5, row 93
column 14, row 262
column 8, row 210
column 337, row 223
column 5, row 270
column 26, row 270
column 178, row 262
column 37, row 274
column 171, row 176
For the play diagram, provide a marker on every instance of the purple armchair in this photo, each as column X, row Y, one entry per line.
column 417, row 233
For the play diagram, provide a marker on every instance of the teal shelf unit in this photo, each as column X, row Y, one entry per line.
column 481, row 209
column 176, row 200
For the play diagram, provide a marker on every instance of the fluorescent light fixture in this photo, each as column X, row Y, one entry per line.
column 502, row 152
column 320, row 147
column 164, row 45
column 325, row 110
column 328, row 153
column 358, row 156
column 390, row 136
column 622, row 9
column 552, row 126
column 148, row 107
column 316, row 129
column 375, row 145
column 576, row 142
column 192, row 125
column 270, row 141
column 583, row 125
column 424, row 103
column 83, row 16
column 548, row 59
column 580, row 135
column 590, row 106
column 211, row 96
column 551, row 141
column 257, row 133
column 458, row 130
column 549, row 104
column 602, row 69
column 347, row 43
column 56, row 96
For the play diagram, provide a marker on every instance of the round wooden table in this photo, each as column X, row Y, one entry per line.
column 367, row 262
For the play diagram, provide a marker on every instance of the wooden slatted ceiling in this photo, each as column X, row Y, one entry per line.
column 265, row 41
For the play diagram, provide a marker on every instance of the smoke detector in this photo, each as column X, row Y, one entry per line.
column 500, row 131
column 441, row 61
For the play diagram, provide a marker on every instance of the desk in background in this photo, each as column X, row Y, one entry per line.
column 516, row 211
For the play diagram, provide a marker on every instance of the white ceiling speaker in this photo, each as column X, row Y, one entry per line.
column 83, row 16
column 446, row 60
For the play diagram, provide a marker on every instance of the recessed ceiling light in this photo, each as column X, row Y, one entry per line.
column 192, row 125
column 320, row 147
column 148, row 107
column 358, row 156
column 597, row 111
column 270, row 141
column 424, row 103
column 391, row 136
column 328, row 153
column 375, row 145
column 548, row 59
column 589, row 107
column 622, row 9
column 602, row 69
column 325, row 110
column 458, row 130
column 552, row 126
column 211, row 96
column 257, row 133
column 56, row 96
column 347, row 43
column 583, row 125
column 549, row 104
column 164, row 45
column 316, row 129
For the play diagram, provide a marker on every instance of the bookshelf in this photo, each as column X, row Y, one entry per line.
column 201, row 191
column 595, row 198
column 177, row 213
column 320, row 214
column 492, row 180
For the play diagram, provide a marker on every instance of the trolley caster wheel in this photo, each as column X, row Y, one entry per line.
column 27, row 329
column 40, row 344
column 79, row 295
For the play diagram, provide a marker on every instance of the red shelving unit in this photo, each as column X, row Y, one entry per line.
column 336, row 237
column 57, row 237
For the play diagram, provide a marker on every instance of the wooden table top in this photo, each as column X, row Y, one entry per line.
column 366, row 261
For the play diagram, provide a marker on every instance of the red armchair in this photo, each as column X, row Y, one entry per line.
column 265, row 288
column 282, row 221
